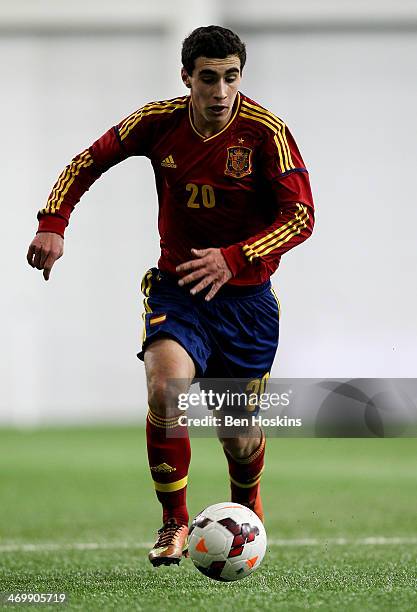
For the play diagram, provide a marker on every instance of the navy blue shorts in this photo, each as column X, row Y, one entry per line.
column 234, row 335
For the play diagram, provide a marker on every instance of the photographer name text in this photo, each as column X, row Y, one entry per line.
column 233, row 421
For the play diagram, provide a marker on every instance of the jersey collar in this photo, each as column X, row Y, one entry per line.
column 232, row 118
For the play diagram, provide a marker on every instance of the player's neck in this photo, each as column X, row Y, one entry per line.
column 208, row 128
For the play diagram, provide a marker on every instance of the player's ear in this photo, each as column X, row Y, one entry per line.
column 185, row 78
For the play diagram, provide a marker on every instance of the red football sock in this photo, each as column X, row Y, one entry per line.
column 245, row 475
column 169, row 454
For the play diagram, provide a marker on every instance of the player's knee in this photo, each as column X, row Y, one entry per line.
column 240, row 447
column 163, row 398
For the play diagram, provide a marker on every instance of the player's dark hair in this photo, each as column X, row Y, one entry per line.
column 211, row 41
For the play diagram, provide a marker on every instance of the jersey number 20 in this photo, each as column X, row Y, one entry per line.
column 207, row 196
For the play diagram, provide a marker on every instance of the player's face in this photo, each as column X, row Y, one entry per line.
column 214, row 84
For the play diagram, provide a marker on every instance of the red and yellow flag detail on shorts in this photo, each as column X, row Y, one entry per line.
column 157, row 319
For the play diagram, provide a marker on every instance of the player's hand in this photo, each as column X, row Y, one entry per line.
column 209, row 267
column 44, row 250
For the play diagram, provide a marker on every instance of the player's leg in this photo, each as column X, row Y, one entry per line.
column 246, row 341
column 245, row 456
column 173, row 347
column 169, row 372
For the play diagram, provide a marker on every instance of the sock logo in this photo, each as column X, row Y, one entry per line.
column 163, row 468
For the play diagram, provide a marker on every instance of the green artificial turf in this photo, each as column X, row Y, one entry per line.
column 60, row 488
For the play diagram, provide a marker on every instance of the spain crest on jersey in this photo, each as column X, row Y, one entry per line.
column 239, row 162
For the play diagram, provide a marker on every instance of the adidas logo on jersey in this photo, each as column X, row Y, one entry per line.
column 163, row 468
column 168, row 162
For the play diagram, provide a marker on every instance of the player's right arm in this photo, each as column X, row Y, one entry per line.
column 130, row 137
column 76, row 178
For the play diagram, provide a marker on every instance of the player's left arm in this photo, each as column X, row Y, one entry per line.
column 292, row 205
column 293, row 224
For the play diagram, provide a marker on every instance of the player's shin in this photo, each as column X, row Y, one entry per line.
column 245, row 476
column 169, row 456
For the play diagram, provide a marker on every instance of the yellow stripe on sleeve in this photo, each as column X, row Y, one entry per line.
column 150, row 106
column 136, row 117
column 70, row 182
column 301, row 224
column 280, row 236
column 278, row 129
column 62, row 179
column 276, row 232
column 277, row 126
column 65, row 181
column 283, row 166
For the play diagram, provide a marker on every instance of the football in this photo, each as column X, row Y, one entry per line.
column 227, row 541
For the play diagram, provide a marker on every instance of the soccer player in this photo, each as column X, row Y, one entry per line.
column 234, row 196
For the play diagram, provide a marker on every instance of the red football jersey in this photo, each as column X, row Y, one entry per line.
column 245, row 189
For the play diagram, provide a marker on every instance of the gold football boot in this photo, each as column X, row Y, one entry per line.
column 171, row 544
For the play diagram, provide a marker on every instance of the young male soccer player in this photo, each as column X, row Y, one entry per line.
column 234, row 196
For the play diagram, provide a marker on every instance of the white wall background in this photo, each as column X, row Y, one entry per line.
column 344, row 81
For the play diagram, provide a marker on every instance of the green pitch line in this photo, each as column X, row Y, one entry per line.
column 61, row 487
